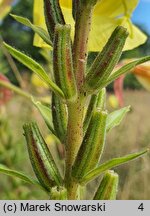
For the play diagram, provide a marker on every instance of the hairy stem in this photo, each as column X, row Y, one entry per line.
column 76, row 109
column 73, row 142
column 82, row 29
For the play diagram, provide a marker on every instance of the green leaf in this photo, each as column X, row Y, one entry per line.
column 115, row 118
column 14, row 173
column 126, row 68
column 40, row 31
column 46, row 114
column 35, row 67
column 110, row 164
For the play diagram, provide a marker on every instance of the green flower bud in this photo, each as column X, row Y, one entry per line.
column 59, row 114
column 63, row 65
column 92, row 146
column 41, row 159
column 108, row 187
column 53, row 15
column 106, row 60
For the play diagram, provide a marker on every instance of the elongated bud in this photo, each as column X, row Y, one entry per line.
column 53, row 15
column 63, row 65
column 106, row 60
column 108, row 187
column 59, row 114
column 92, row 145
column 75, row 7
column 41, row 159
column 97, row 101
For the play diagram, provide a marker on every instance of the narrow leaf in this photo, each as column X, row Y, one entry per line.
column 35, row 67
column 126, row 68
column 115, row 118
column 40, row 31
column 23, row 177
column 110, row 164
column 46, row 114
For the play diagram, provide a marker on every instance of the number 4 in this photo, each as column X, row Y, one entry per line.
column 141, row 207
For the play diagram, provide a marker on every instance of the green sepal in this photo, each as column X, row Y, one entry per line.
column 92, row 146
column 38, row 30
column 58, row 193
column 41, row 159
column 110, row 164
column 115, row 118
column 53, row 16
column 60, row 118
column 35, row 67
column 108, row 187
column 106, row 60
column 63, row 64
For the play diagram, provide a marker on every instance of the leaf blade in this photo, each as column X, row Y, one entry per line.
column 40, row 31
column 35, row 67
column 110, row 164
column 22, row 176
column 115, row 118
column 124, row 69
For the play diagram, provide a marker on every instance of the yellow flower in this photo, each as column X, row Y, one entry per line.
column 106, row 16
column 5, row 7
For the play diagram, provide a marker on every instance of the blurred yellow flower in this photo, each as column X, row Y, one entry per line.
column 107, row 15
column 113, row 101
column 5, row 7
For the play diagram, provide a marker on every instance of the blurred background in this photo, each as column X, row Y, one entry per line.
column 132, row 135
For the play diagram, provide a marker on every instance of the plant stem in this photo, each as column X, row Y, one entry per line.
column 73, row 141
column 76, row 109
column 82, row 29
